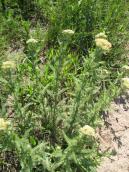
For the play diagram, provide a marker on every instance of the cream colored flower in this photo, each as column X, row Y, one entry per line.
column 10, row 101
column 68, row 31
column 103, row 44
column 4, row 124
column 101, row 35
column 105, row 72
column 87, row 130
column 31, row 40
column 8, row 65
column 125, row 68
column 125, row 83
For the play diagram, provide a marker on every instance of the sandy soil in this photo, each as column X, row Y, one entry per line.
column 115, row 137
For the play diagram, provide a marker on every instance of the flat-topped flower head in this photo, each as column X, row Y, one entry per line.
column 103, row 44
column 125, row 83
column 125, row 67
column 87, row 130
column 4, row 124
column 68, row 32
column 101, row 35
column 8, row 65
column 31, row 40
column 105, row 72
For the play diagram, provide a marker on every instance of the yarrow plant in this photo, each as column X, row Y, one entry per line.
column 101, row 35
column 87, row 130
column 4, row 124
column 65, row 78
column 8, row 65
column 125, row 69
column 125, row 83
column 102, row 42
column 68, row 32
column 31, row 40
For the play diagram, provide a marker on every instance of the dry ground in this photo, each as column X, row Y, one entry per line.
column 115, row 137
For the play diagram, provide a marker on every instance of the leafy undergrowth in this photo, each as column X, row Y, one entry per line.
column 60, row 66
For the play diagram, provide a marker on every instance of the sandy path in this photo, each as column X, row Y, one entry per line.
column 115, row 137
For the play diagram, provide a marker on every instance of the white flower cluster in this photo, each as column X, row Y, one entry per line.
column 31, row 40
column 68, row 32
column 8, row 65
column 4, row 124
column 102, row 42
column 125, row 83
column 87, row 130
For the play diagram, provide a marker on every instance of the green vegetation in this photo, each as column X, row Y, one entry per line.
column 60, row 67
